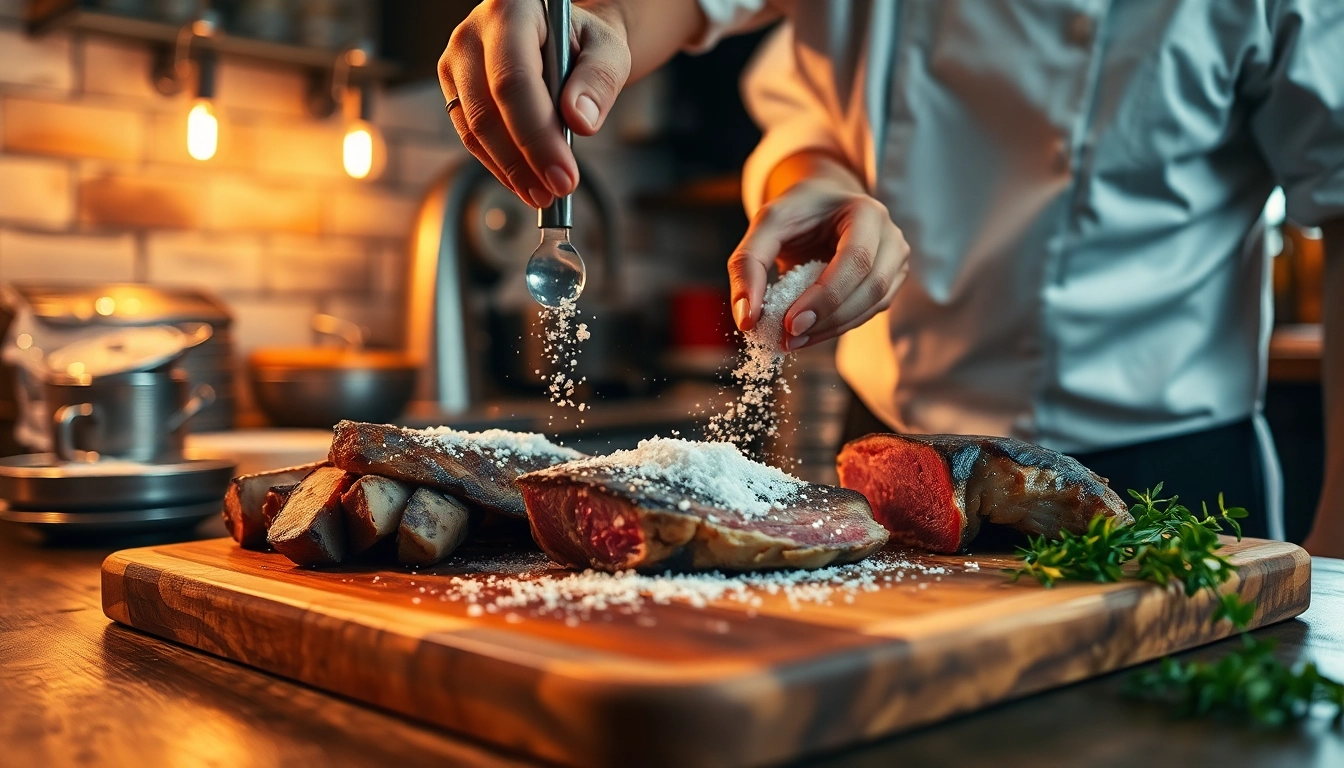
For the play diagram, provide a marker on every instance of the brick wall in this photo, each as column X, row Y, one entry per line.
column 96, row 184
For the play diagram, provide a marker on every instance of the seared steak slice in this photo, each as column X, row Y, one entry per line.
column 614, row 517
column 373, row 508
column 933, row 491
column 310, row 529
column 432, row 526
column 245, row 497
column 477, row 467
column 276, row 498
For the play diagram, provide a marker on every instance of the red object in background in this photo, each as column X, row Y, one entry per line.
column 701, row 319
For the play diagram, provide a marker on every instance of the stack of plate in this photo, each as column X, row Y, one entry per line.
column 110, row 496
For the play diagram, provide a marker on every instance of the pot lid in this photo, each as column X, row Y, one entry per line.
column 123, row 351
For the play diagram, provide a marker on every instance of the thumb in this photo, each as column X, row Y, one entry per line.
column 600, row 71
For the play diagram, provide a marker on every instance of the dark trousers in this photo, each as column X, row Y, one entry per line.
column 1194, row 466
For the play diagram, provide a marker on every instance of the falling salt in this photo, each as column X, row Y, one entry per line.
column 752, row 415
column 561, row 340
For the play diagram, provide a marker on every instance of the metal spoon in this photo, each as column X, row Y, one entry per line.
column 556, row 273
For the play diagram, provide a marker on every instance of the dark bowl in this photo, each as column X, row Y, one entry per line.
column 317, row 388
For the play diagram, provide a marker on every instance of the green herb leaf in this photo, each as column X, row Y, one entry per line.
column 1166, row 544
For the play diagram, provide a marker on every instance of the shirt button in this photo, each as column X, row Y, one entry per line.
column 1081, row 28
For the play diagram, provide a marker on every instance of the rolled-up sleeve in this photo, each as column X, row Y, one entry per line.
column 1299, row 120
column 791, row 115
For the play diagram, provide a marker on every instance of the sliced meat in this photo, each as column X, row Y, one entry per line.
column 433, row 525
column 243, row 502
column 476, row 467
column 373, row 508
column 933, row 491
column 587, row 514
column 310, row 529
column 275, row 501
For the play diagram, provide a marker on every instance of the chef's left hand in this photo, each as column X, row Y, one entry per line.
column 819, row 210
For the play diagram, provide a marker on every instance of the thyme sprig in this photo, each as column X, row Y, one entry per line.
column 1168, row 543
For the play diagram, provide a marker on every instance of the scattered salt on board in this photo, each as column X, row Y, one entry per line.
column 529, row 582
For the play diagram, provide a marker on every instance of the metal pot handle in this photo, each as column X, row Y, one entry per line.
column 64, row 421
column 203, row 395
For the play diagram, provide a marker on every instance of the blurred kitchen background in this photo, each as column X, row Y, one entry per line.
column 322, row 173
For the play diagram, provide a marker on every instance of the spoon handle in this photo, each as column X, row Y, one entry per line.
column 555, row 68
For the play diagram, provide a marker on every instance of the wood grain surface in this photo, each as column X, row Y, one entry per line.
column 675, row 685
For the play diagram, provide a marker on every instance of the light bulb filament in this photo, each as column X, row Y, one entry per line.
column 202, row 130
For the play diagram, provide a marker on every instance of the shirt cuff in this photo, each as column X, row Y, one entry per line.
column 726, row 18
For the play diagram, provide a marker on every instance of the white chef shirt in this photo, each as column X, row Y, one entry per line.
column 1080, row 182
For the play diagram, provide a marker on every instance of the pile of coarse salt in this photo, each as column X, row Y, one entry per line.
column 752, row 414
column 498, row 445
column 714, row 474
column 561, row 349
column 527, row 582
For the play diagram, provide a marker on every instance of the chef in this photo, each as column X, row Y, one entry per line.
column 1042, row 218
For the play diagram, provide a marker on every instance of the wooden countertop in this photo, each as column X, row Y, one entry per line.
column 76, row 688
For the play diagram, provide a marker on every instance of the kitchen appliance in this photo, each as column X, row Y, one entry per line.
column 468, row 308
column 751, row 679
column 73, row 312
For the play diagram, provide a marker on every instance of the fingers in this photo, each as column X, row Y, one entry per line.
column 749, row 264
column 862, row 313
column 857, row 253
column 875, row 292
column 506, row 120
column 518, row 88
column 600, row 71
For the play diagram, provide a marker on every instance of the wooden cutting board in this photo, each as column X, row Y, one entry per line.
column 720, row 685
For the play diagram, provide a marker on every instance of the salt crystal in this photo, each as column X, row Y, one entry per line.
column 717, row 474
column 562, row 348
column 496, row 444
column 752, row 414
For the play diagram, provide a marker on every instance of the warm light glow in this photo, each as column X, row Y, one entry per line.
column 105, row 305
column 202, row 130
column 358, row 150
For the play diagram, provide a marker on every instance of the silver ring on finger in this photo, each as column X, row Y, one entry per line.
column 452, row 103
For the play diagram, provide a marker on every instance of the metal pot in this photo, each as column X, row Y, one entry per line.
column 137, row 416
column 317, row 387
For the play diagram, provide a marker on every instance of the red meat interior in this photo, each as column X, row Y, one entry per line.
column 910, row 489
column 609, row 529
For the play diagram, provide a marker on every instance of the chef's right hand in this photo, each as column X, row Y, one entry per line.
column 506, row 118
column 818, row 210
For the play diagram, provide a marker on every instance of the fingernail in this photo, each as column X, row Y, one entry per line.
column 795, row 342
column 540, row 197
column 802, row 321
column 558, row 181
column 587, row 109
column 741, row 308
